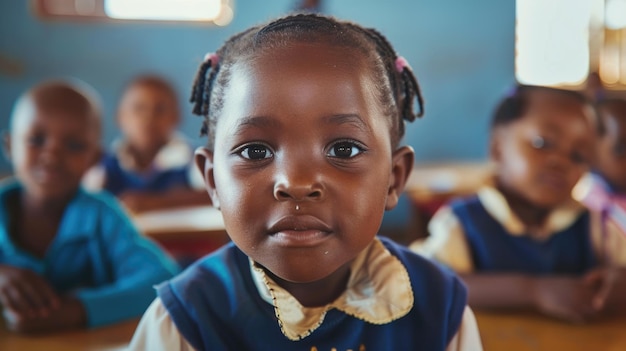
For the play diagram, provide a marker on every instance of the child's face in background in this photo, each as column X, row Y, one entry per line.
column 540, row 156
column 303, row 160
column 147, row 116
column 51, row 148
column 611, row 150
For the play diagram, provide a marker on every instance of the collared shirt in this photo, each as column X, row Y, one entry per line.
column 97, row 255
column 447, row 243
column 370, row 296
column 176, row 154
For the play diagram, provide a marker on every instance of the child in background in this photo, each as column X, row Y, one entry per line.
column 68, row 258
column 304, row 117
column 151, row 167
column 604, row 189
column 524, row 242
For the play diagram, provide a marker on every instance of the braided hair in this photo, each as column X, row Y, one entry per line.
column 398, row 89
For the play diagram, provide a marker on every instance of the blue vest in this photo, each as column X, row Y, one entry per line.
column 216, row 306
column 493, row 249
column 119, row 180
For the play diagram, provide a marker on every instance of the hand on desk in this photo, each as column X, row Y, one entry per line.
column 568, row 298
column 68, row 314
column 576, row 299
column 580, row 299
column 30, row 304
column 25, row 292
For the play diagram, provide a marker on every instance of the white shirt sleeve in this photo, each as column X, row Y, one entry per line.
column 467, row 338
column 446, row 242
column 157, row 332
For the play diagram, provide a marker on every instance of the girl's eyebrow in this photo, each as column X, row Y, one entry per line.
column 348, row 118
column 256, row 122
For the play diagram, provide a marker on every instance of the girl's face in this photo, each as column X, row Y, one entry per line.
column 147, row 116
column 541, row 156
column 611, row 151
column 302, row 167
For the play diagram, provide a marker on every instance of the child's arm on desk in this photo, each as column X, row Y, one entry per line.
column 565, row 297
column 135, row 264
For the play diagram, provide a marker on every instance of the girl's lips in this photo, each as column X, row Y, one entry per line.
column 300, row 231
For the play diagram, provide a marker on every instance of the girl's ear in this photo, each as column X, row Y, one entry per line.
column 204, row 162
column 402, row 165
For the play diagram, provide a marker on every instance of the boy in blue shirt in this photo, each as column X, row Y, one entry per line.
column 68, row 258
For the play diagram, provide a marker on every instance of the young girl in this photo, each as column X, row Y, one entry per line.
column 68, row 258
column 304, row 117
column 524, row 242
column 151, row 166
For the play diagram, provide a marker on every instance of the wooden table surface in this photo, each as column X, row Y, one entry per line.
column 115, row 337
column 530, row 332
column 499, row 332
column 430, row 182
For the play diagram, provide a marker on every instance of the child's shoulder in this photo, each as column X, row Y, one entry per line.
column 421, row 268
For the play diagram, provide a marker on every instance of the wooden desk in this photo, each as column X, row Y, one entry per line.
column 115, row 337
column 186, row 233
column 430, row 182
column 530, row 332
column 432, row 185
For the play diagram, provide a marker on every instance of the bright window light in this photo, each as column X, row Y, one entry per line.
column 165, row 10
column 552, row 46
column 615, row 14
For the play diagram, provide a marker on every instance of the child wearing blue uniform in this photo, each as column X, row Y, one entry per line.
column 68, row 258
column 151, row 166
column 304, row 117
column 523, row 241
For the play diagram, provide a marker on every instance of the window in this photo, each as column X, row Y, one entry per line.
column 219, row 12
column 562, row 42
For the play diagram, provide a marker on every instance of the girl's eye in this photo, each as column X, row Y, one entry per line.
column 255, row 152
column 344, row 149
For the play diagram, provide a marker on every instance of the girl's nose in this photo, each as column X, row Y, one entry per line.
column 299, row 183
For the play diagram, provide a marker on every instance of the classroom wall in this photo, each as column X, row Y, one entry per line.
column 462, row 52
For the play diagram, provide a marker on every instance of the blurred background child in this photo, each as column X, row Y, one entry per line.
column 68, row 258
column 150, row 166
column 524, row 242
column 604, row 189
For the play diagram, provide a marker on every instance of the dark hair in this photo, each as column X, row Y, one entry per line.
column 156, row 81
column 602, row 107
column 515, row 105
column 397, row 90
column 62, row 94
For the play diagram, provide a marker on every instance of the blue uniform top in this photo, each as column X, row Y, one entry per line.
column 97, row 255
column 172, row 167
column 215, row 305
column 493, row 249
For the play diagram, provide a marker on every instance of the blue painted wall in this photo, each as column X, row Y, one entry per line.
column 462, row 52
